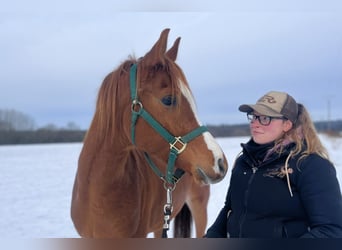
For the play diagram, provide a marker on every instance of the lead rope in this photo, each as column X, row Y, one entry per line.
column 167, row 209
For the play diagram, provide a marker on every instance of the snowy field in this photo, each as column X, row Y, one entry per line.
column 36, row 183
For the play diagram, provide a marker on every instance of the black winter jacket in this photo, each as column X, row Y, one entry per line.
column 259, row 202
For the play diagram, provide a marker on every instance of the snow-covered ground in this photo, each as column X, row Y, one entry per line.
column 36, row 183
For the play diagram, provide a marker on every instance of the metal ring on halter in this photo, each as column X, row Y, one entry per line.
column 136, row 103
column 169, row 186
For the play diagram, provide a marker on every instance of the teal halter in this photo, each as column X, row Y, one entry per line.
column 137, row 110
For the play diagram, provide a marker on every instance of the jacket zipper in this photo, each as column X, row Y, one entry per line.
column 228, row 214
column 242, row 219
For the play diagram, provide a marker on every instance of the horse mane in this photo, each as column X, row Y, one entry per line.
column 107, row 120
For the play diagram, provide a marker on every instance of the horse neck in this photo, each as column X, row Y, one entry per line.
column 105, row 153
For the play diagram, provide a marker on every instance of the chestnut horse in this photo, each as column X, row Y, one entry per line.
column 131, row 163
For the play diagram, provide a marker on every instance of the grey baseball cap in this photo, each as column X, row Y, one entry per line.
column 274, row 104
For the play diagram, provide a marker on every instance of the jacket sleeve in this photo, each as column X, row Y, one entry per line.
column 219, row 228
column 321, row 196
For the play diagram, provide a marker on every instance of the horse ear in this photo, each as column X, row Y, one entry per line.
column 156, row 54
column 173, row 51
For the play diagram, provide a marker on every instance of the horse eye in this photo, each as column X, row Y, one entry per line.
column 169, row 100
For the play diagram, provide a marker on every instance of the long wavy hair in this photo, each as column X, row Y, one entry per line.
column 305, row 136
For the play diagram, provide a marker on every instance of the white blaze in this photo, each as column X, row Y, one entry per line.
column 208, row 138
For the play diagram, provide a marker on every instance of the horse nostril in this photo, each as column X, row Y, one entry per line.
column 222, row 169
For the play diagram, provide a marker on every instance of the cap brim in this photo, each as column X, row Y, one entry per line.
column 261, row 109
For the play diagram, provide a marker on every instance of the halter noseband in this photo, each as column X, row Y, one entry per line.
column 177, row 143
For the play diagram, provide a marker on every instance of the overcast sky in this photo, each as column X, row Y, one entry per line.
column 54, row 56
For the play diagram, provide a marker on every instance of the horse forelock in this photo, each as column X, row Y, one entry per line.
column 178, row 80
column 181, row 84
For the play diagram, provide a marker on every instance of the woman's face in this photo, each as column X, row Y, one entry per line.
column 263, row 134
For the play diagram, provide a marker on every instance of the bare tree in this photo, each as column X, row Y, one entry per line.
column 11, row 119
column 72, row 126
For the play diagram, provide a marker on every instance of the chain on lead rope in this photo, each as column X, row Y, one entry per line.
column 167, row 209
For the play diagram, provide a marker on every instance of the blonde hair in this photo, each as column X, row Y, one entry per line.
column 304, row 135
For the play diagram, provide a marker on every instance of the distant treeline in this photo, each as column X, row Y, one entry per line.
column 41, row 136
column 64, row 135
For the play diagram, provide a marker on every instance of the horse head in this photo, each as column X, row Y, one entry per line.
column 165, row 117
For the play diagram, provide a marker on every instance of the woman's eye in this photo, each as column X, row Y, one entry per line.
column 264, row 118
column 169, row 100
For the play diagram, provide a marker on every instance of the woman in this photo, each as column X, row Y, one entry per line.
column 282, row 184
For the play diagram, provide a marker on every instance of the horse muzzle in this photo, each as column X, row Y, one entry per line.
column 216, row 175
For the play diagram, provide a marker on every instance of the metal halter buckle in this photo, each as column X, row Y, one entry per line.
column 182, row 145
